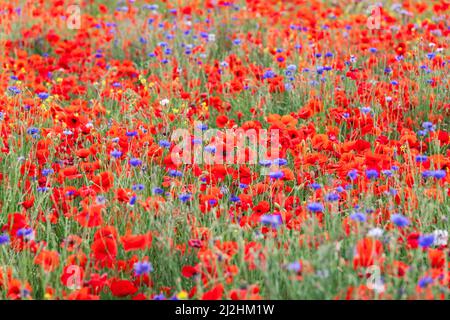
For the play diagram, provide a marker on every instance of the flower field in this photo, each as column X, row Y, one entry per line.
column 188, row 149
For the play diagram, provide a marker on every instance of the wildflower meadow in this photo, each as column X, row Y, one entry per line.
column 224, row 149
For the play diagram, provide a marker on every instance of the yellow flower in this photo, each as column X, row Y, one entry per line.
column 182, row 295
column 403, row 148
column 45, row 107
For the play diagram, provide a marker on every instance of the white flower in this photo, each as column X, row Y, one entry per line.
column 440, row 237
column 211, row 37
column 375, row 233
column 378, row 287
column 164, row 102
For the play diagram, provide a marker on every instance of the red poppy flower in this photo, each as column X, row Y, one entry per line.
column 122, row 288
column 214, row 294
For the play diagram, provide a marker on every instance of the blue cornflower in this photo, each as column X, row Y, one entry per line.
column 175, row 173
column 47, row 172
column 32, row 130
column 291, row 67
column 387, row 173
column 100, row 200
column 234, row 198
column 421, row 158
column 132, row 200
column 265, row 163
column 372, row 174
column 315, row 186
column 159, row 297
column 331, row 197
column 353, row 174
column 243, row 185
column 393, row 191
column 426, row 240
column 399, row 220
column 164, row 143
column 70, row 193
column 24, row 232
column 315, row 207
column 138, row 187
column 131, row 133
column 135, row 162
column 269, row 74
column 68, row 132
column 428, row 125
column 366, row 110
column 43, row 95
column 143, row 267
column 439, row 174
column 158, row 190
column 116, row 153
column 276, row 175
column 280, row 162
column 319, row 69
column 42, row 189
column 210, row 149
column 202, row 126
column 358, row 216
column 4, row 239
column 425, row 281
column 274, row 220
column 427, row 173
column 14, row 90
column 295, row 266
column 184, row 197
